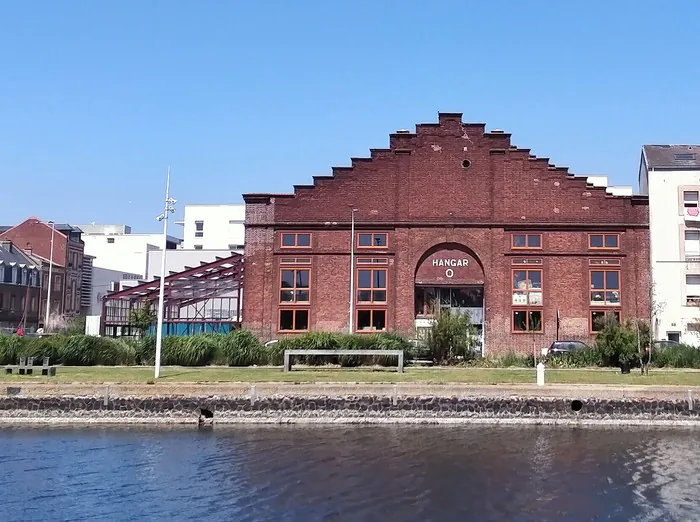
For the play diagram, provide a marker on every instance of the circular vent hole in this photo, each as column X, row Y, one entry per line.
column 576, row 405
column 466, row 164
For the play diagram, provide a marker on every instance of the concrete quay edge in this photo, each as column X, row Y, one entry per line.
column 274, row 389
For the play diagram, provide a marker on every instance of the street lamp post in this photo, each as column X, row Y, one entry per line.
column 169, row 202
column 352, row 271
column 48, row 287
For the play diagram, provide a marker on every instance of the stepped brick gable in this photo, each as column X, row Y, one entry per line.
column 452, row 214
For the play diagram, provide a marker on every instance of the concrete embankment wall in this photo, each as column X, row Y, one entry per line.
column 348, row 403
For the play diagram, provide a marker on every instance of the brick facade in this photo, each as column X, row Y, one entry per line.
column 34, row 236
column 433, row 206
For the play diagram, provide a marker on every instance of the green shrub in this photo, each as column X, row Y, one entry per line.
column 242, row 348
column 586, row 358
column 681, row 356
column 452, row 336
column 620, row 343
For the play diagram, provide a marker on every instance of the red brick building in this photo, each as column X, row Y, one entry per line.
column 453, row 213
column 34, row 236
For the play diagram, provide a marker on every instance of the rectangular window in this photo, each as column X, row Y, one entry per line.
column 294, row 285
column 526, row 291
column 34, row 304
column 372, row 261
column 690, row 199
column 603, row 241
column 296, row 240
column 198, row 247
column 296, row 320
column 24, row 276
column 13, row 303
column 605, row 287
column 57, row 282
column 199, row 226
column 110, row 240
column 371, row 320
column 15, row 279
column 692, row 243
column 1, row 297
column 692, row 290
column 371, row 285
column 372, row 240
column 526, row 241
column 527, row 287
column 598, row 318
column 527, row 320
column 295, row 261
column 2, row 274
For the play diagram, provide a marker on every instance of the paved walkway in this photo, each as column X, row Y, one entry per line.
column 565, row 391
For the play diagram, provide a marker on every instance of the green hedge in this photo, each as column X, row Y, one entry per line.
column 238, row 348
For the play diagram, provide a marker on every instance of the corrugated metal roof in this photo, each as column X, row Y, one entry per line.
column 680, row 157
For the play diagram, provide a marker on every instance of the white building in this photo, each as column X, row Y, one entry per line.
column 214, row 227
column 670, row 176
column 114, row 247
column 119, row 258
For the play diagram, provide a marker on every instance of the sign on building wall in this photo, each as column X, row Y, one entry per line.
column 450, row 266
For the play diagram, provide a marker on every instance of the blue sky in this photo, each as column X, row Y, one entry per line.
column 98, row 98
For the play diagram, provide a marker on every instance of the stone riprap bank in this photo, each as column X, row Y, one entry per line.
column 307, row 408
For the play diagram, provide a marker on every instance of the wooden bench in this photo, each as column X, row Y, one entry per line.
column 26, row 366
column 289, row 353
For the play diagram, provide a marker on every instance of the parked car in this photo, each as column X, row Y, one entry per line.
column 660, row 345
column 562, row 347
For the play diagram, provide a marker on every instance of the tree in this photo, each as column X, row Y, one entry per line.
column 451, row 336
column 142, row 317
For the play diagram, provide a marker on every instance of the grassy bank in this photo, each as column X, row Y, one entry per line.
column 143, row 374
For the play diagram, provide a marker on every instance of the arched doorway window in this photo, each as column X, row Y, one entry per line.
column 449, row 276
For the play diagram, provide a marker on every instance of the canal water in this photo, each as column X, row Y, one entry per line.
column 310, row 474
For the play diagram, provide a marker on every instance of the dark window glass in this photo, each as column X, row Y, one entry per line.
column 379, row 279
column 379, row 295
column 364, row 296
column 303, row 240
column 364, row 278
column 287, row 296
column 597, row 280
column 379, row 320
column 535, row 321
column 287, row 320
column 302, row 320
column 519, row 240
column 534, row 241
column 287, row 278
column 612, row 280
column 288, row 240
column 365, row 240
column 598, row 319
column 364, row 319
column 302, row 279
column 595, row 241
column 520, row 320
column 535, row 279
column 379, row 240
column 519, row 279
column 303, row 296
column 611, row 241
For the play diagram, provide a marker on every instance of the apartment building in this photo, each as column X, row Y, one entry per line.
column 670, row 176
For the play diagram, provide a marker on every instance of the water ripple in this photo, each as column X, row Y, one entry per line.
column 350, row 473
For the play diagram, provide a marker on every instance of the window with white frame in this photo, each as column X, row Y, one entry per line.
column 692, row 243
column 690, row 198
column 692, row 289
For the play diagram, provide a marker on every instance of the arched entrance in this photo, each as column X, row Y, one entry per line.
column 452, row 276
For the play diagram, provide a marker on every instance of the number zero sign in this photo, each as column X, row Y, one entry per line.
column 449, row 272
